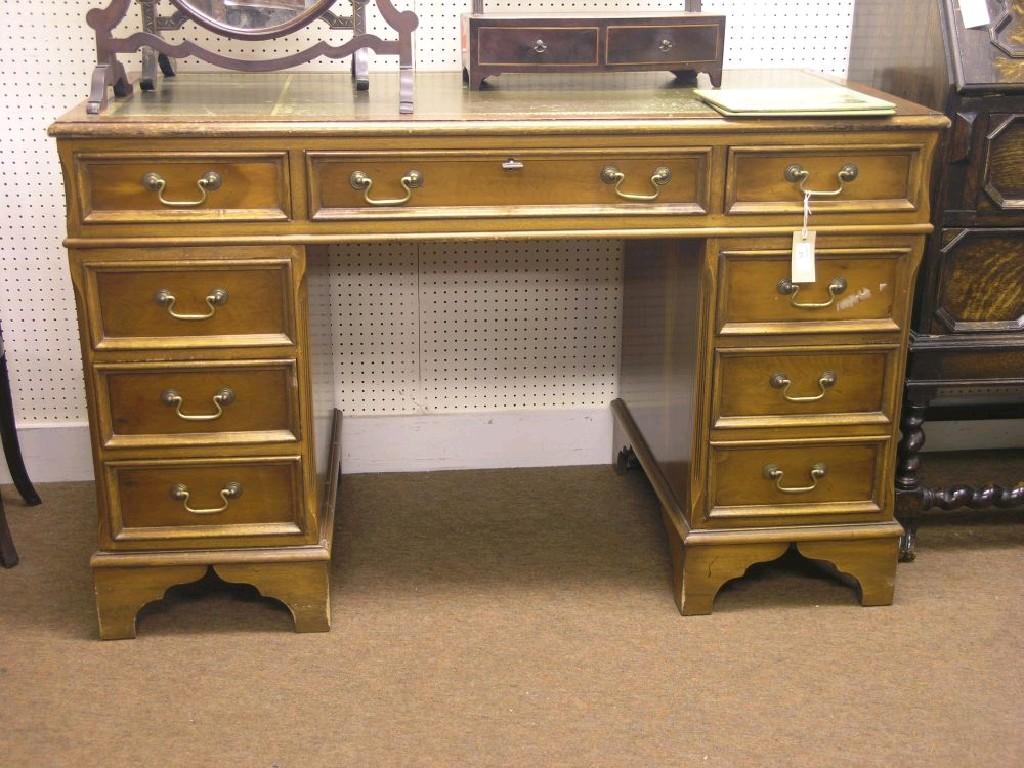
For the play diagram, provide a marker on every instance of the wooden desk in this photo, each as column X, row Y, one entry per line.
column 763, row 413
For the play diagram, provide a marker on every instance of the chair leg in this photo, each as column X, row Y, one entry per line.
column 8, row 554
column 9, row 437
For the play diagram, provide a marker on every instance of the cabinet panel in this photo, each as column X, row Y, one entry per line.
column 981, row 282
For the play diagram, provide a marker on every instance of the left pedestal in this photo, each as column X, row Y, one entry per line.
column 204, row 409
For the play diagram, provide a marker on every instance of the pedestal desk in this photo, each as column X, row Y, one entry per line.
column 763, row 412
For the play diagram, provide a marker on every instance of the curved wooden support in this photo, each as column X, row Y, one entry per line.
column 706, row 569
column 871, row 563
column 122, row 592
column 305, row 588
column 699, row 572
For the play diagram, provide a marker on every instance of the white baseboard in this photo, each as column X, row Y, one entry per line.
column 479, row 440
column 54, row 453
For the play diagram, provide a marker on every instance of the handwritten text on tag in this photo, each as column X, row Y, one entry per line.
column 803, row 256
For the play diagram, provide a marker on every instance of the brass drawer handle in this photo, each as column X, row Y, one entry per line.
column 412, row 180
column 173, row 398
column 217, row 298
column 791, row 289
column 666, row 45
column 154, row 182
column 612, row 175
column 772, row 472
column 797, row 173
column 540, row 47
column 826, row 381
column 180, row 492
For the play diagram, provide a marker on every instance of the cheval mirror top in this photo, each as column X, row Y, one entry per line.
column 243, row 20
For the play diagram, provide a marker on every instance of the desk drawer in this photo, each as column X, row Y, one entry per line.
column 887, row 179
column 185, row 298
column 857, row 290
column 196, row 403
column 175, row 186
column 178, row 502
column 812, row 386
column 443, row 184
column 805, row 482
column 537, row 46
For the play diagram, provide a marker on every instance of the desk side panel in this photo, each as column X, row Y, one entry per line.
column 661, row 303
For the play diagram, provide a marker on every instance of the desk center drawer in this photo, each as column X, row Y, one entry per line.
column 153, row 404
column 443, row 184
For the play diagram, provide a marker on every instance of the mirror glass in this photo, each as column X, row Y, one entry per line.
column 253, row 15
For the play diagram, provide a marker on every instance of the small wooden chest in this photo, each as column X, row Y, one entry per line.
column 683, row 43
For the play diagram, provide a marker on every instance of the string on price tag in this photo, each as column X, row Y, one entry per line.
column 803, row 248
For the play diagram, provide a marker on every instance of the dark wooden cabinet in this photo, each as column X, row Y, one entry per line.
column 967, row 336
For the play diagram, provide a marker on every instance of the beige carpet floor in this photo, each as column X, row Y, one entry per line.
column 517, row 618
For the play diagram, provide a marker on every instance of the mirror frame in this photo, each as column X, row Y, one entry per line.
column 110, row 72
column 304, row 19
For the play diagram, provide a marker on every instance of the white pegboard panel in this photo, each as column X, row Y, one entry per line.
column 520, row 325
column 427, row 328
column 393, row 351
column 375, row 321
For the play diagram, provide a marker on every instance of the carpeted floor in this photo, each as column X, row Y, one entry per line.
column 517, row 618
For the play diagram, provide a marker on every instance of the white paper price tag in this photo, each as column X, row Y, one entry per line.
column 975, row 13
column 803, row 256
column 802, row 270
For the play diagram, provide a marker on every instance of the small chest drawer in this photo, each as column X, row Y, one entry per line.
column 427, row 185
column 1003, row 167
column 813, row 386
column 179, row 503
column 806, row 482
column 182, row 298
column 857, row 290
column 537, row 46
column 150, row 404
column 862, row 179
column 629, row 44
column 127, row 188
column 981, row 282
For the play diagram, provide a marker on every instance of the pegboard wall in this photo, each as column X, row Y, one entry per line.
column 417, row 328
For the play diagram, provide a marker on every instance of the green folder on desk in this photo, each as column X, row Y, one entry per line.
column 788, row 102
